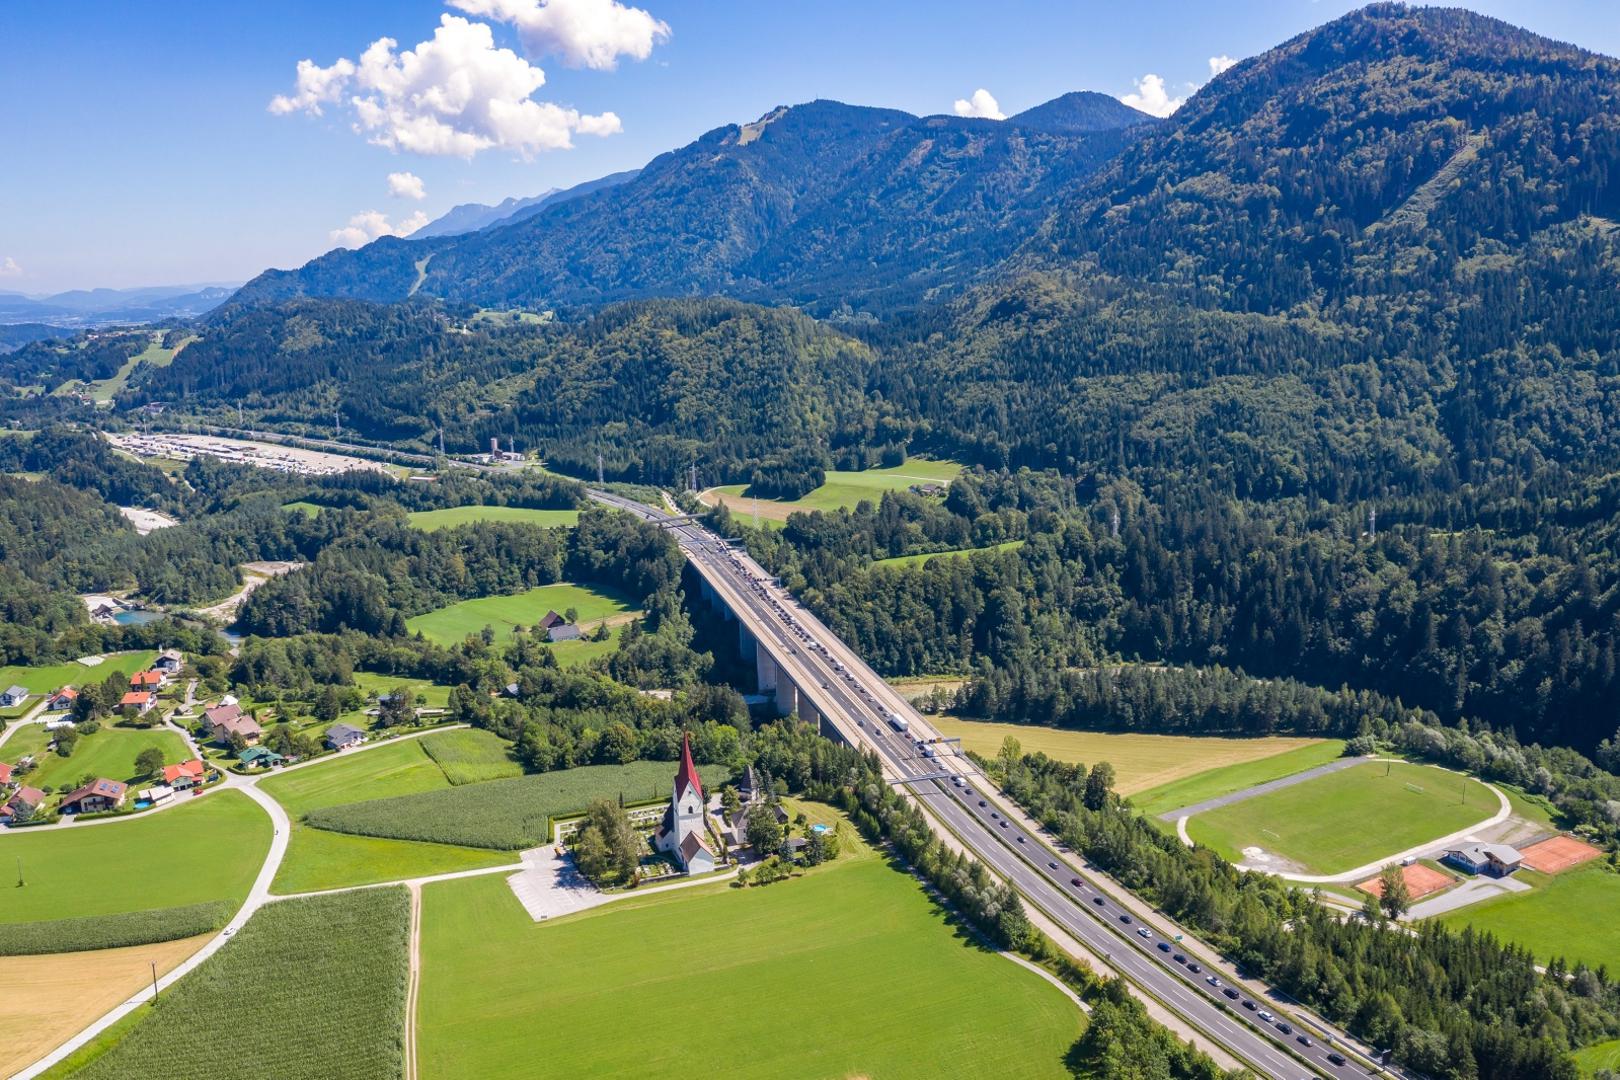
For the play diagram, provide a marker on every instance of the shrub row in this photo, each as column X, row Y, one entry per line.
column 113, row 931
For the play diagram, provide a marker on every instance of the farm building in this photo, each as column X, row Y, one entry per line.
column 550, row 619
column 342, row 736
column 564, row 632
column 1495, row 860
column 97, row 795
column 13, row 697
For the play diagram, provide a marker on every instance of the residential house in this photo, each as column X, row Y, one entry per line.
column 5, row 775
column 186, row 775
column 137, row 702
column 13, row 697
column 146, row 680
column 259, row 757
column 95, row 796
column 63, row 698
column 343, row 736
column 1493, row 860
column 23, row 804
column 169, row 661
column 223, row 721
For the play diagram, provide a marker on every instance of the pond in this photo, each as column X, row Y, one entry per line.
column 136, row 618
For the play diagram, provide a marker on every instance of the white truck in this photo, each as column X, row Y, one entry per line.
column 898, row 722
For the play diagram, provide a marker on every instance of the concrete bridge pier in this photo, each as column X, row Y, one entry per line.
column 765, row 669
column 746, row 643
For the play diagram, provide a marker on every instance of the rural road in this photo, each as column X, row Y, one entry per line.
column 32, row 716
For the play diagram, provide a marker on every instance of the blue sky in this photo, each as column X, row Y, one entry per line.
column 140, row 145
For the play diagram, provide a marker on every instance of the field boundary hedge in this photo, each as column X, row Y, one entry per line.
column 114, row 931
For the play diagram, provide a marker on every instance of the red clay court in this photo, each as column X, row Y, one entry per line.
column 1558, row 853
column 1420, row 881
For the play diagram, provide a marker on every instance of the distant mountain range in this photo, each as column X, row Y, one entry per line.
column 472, row 217
column 105, row 307
column 822, row 204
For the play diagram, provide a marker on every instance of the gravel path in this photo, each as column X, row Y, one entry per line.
column 1263, row 789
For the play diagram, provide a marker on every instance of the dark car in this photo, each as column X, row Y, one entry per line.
column 1020, row 839
column 993, row 815
column 981, row 802
column 1249, row 1005
column 1164, row 946
column 1286, row 1028
column 1097, row 900
column 1231, row 993
column 1337, row 1059
column 1003, row 824
column 1076, row 882
column 1303, row 1039
column 1125, row 918
column 1180, row 959
column 1051, row 866
column 1194, row 968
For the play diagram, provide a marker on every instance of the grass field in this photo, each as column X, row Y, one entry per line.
column 468, row 756
column 209, row 849
column 47, row 677
column 714, row 981
column 1602, row 1056
column 269, row 1005
column 919, row 560
column 1348, row 818
column 1570, row 915
column 1140, row 761
column 54, row 997
column 308, row 508
column 463, row 515
column 842, row 489
column 110, row 753
column 451, row 625
column 317, row 859
column 1224, row 779
column 506, row 815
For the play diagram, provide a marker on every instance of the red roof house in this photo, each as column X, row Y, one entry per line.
column 137, row 701
column 22, row 804
column 147, row 680
column 5, row 773
column 187, row 774
column 97, row 795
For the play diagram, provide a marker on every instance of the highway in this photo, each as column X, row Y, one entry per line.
column 857, row 701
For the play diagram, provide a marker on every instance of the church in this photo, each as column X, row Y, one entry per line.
column 684, row 830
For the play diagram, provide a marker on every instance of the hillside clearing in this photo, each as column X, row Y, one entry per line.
column 451, row 625
column 463, row 515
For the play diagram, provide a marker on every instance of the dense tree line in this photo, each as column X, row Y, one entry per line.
column 1453, row 1005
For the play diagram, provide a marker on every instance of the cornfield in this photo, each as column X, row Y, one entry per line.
column 113, row 931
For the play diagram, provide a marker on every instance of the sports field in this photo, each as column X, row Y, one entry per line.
column 317, row 859
column 1570, row 915
column 54, row 997
column 1344, row 819
column 1140, row 761
column 451, row 625
column 463, row 515
column 110, row 753
column 1225, row 779
column 842, row 489
column 919, row 560
column 44, row 678
column 208, row 849
column 849, row 971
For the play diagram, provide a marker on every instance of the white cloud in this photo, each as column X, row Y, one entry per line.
column 368, row 225
column 982, row 103
column 10, row 268
column 1218, row 64
column 317, row 86
column 455, row 95
column 585, row 33
column 1152, row 98
column 406, row 185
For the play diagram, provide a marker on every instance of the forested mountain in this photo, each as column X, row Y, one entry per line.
column 818, row 202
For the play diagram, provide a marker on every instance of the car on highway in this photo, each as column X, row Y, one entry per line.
column 1303, row 1039
column 1077, row 883
column 1126, row 919
column 1286, row 1028
column 1267, row 1017
column 1097, row 900
column 1337, row 1059
column 1020, row 838
column 1051, row 866
column 993, row 815
column 1144, row 933
column 1195, row 968
column 1003, row 824
column 1214, row 980
column 1251, row 1006
column 1231, row 993
column 1164, row 946
column 1180, row 958
column 981, row 803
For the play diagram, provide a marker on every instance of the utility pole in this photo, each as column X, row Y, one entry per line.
column 19, row 872
column 154, row 982
column 441, row 442
column 599, row 480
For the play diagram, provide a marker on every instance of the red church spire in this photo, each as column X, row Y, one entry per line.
column 688, row 774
